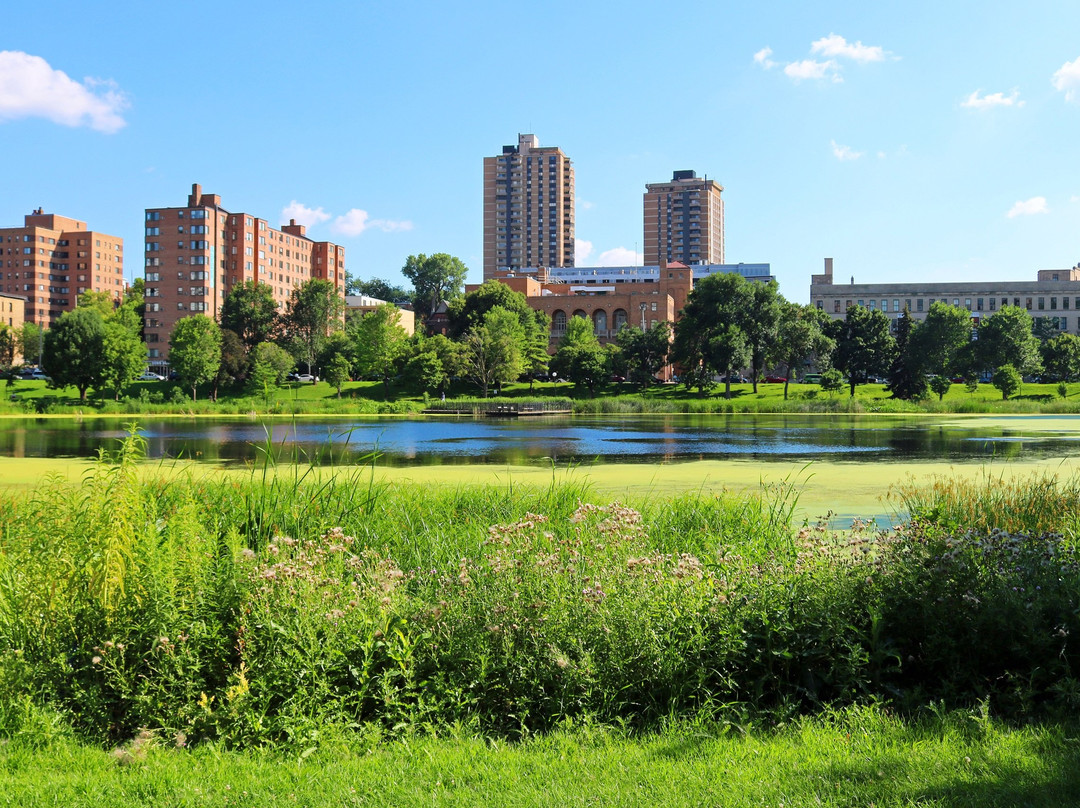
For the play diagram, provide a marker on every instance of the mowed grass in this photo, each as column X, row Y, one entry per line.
column 858, row 757
column 374, row 397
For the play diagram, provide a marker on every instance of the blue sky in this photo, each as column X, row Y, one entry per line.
column 908, row 141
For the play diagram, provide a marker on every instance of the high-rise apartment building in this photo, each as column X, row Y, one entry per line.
column 528, row 208
column 684, row 220
column 195, row 254
column 52, row 259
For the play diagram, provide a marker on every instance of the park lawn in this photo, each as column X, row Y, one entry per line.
column 857, row 757
column 609, row 398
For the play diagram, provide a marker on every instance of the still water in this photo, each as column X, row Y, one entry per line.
column 642, row 439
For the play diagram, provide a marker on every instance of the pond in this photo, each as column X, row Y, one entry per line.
column 642, row 439
column 843, row 463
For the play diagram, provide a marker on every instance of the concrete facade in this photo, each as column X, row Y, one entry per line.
column 528, row 208
column 684, row 220
column 1055, row 294
column 196, row 253
column 52, row 259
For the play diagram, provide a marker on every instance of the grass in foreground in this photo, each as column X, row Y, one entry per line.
column 857, row 757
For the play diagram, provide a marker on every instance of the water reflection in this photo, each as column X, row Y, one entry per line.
column 629, row 439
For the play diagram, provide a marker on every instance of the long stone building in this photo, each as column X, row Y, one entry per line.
column 1054, row 294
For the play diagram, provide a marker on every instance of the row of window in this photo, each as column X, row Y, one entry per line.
column 981, row 304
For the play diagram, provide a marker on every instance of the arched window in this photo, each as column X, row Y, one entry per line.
column 558, row 321
column 582, row 315
column 620, row 319
column 600, row 322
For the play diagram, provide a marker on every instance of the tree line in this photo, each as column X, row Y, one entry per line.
column 728, row 326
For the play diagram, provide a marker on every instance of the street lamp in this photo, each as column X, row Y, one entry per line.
column 643, row 307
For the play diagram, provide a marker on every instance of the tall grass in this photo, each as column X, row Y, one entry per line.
column 263, row 610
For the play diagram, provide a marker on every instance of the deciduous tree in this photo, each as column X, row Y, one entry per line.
column 250, row 312
column 378, row 343
column 314, row 310
column 74, row 349
column 435, row 278
column 195, row 351
column 865, row 346
column 1005, row 338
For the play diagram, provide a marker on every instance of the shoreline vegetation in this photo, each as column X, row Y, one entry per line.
column 296, row 622
column 23, row 398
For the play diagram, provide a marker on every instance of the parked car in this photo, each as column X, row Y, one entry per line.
column 774, row 380
column 812, row 378
column 615, row 377
column 735, row 380
column 150, row 376
column 301, row 377
column 38, row 375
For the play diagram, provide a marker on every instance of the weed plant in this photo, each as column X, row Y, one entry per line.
column 267, row 610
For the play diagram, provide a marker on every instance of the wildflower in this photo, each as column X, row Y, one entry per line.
column 247, row 554
column 95, row 660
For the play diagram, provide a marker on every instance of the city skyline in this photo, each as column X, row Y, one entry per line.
column 914, row 143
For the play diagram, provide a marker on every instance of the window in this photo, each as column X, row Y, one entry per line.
column 153, row 216
column 1053, row 304
column 918, row 305
column 896, row 305
column 979, row 304
column 1064, row 302
column 1042, row 303
column 992, row 301
column 198, row 214
column 153, row 231
column 873, row 305
column 1028, row 302
column 835, row 308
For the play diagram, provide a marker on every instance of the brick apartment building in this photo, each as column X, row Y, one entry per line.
column 528, row 208
column 195, row 254
column 684, row 220
column 51, row 260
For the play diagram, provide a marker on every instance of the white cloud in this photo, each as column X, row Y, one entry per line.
column 582, row 251
column 813, row 69
column 1074, row 198
column 1037, row 204
column 619, row 257
column 843, row 153
column 356, row 221
column 30, row 88
column 309, row 217
column 836, row 45
column 881, row 155
column 762, row 58
column 1067, row 79
column 976, row 101
column 584, row 204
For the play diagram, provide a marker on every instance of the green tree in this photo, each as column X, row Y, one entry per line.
column 800, row 334
column 436, row 279
column 314, row 310
column 434, row 361
column 760, row 323
column 195, row 351
column 1061, row 357
column 234, row 361
column 7, row 346
column 102, row 301
column 378, row 343
column 940, row 385
column 710, row 337
column 337, row 369
column 493, row 355
column 123, row 357
column 832, row 380
column 273, row 362
column 377, row 288
column 865, row 346
column 1005, row 338
column 74, row 348
column 30, row 342
column 1007, row 379
column 250, row 312
column 939, row 340
column 579, row 357
column 644, row 352
column 907, row 380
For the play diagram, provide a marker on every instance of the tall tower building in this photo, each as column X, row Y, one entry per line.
column 196, row 253
column 51, row 260
column 684, row 220
column 528, row 208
